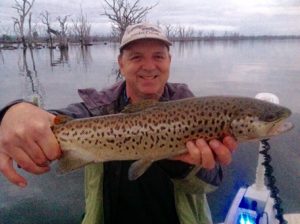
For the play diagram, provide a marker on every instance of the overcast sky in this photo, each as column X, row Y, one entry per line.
column 276, row 17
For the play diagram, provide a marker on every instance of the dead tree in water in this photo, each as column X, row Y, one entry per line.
column 123, row 13
column 23, row 9
column 62, row 34
column 30, row 39
column 46, row 20
column 63, row 39
column 82, row 29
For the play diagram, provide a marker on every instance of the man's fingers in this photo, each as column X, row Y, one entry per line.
column 222, row 153
column 208, row 160
column 7, row 169
column 230, row 143
column 195, row 154
column 35, row 153
column 24, row 161
column 50, row 146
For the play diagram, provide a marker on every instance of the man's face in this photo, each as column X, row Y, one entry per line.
column 145, row 65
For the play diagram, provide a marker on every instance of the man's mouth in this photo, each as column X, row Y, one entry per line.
column 148, row 77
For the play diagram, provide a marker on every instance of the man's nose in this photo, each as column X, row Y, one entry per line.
column 149, row 64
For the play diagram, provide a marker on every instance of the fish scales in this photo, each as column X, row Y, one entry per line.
column 161, row 129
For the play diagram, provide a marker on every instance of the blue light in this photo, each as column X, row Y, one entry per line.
column 246, row 219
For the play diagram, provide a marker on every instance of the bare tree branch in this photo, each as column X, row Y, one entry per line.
column 62, row 35
column 82, row 29
column 45, row 18
column 22, row 10
column 123, row 13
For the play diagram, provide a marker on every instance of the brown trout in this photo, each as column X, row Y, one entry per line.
column 151, row 130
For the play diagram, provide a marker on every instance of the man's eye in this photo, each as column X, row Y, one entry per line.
column 159, row 56
column 135, row 58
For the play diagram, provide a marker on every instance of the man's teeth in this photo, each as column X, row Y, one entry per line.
column 148, row 77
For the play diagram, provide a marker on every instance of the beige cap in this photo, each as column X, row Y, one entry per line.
column 143, row 31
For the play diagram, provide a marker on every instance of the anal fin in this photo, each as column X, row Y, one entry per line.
column 138, row 168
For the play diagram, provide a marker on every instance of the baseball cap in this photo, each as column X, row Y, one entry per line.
column 143, row 31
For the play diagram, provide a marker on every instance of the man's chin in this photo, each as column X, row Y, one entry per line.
column 150, row 94
column 146, row 96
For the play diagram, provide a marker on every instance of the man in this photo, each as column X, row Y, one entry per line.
column 171, row 191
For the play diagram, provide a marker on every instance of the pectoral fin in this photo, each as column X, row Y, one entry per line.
column 138, row 168
column 72, row 160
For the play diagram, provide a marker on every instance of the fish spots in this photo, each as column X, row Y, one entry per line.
column 127, row 139
column 222, row 124
column 110, row 141
column 154, row 131
column 66, row 133
column 63, row 139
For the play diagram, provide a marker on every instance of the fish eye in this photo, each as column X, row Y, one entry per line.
column 269, row 117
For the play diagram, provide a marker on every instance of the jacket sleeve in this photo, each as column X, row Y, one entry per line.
column 76, row 110
column 9, row 105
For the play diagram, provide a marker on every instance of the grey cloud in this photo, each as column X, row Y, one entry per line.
column 278, row 16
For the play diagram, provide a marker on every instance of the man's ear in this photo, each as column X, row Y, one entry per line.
column 120, row 61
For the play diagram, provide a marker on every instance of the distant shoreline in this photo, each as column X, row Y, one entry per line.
column 42, row 42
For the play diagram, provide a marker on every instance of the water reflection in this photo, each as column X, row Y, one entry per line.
column 84, row 56
column 33, row 91
column 62, row 59
column 1, row 56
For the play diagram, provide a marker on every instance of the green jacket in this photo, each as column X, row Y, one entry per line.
column 190, row 197
column 189, row 193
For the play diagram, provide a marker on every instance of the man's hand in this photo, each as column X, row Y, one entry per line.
column 27, row 139
column 207, row 154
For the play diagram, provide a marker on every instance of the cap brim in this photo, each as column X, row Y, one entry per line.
column 167, row 42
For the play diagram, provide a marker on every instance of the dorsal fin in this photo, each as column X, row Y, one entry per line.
column 144, row 104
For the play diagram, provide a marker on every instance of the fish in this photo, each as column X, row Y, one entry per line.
column 150, row 130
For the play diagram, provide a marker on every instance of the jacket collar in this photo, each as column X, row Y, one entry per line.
column 94, row 99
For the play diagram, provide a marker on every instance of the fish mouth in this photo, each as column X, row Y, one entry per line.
column 281, row 126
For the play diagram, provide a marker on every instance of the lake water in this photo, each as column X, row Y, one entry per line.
column 209, row 68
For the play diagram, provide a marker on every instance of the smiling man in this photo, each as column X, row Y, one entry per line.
column 144, row 62
column 171, row 191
